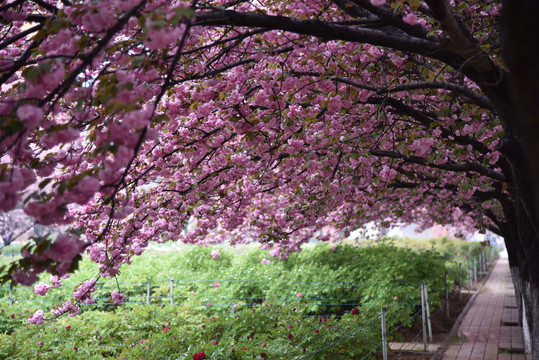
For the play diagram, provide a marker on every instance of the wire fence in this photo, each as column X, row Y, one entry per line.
column 483, row 264
column 173, row 291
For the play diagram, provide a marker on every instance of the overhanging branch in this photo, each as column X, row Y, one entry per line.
column 466, row 167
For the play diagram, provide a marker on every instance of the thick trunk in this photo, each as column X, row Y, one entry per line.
column 515, row 276
column 524, row 267
column 530, row 313
column 522, row 248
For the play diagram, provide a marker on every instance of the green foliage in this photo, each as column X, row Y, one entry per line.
column 330, row 284
column 178, row 332
column 448, row 247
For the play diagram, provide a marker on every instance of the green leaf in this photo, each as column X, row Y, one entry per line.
column 15, row 126
column 31, row 73
column 44, row 183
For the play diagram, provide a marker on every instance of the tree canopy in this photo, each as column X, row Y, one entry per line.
column 211, row 121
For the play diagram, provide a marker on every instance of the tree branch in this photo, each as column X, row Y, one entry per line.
column 466, row 167
column 329, row 31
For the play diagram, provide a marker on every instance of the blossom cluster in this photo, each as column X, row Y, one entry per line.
column 271, row 136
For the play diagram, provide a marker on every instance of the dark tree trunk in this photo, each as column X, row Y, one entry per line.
column 522, row 245
column 521, row 53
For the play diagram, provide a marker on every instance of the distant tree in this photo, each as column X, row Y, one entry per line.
column 13, row 226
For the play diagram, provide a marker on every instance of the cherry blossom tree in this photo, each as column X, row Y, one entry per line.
column 212, row 121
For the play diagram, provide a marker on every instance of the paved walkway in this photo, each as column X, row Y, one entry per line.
column 489, row 330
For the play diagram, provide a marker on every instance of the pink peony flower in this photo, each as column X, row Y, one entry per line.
column 199, row 356
column 298, row 294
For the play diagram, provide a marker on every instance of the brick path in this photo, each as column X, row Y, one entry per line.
column 490, row 331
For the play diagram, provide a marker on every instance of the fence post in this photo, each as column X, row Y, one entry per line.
column 148, row 294
column 482, row 262
column 460, row 282
column 474, row 271
column 423, row 317
column 479, row 264
column 446, row 295
column 11, row 293
column 469, row 273
column 384, row 340
column 429, row 325
column 171, row 292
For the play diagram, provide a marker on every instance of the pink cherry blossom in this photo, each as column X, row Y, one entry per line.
column 64, row 248
column 410, row 19
column 41, row 288
column 37, row 317
column 25, row 278
column 56, row 282
column 117, row 298
column 84, row 190
column 31, row 115
column 137, row 122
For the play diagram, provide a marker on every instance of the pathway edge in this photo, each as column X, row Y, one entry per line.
column 438, row 355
